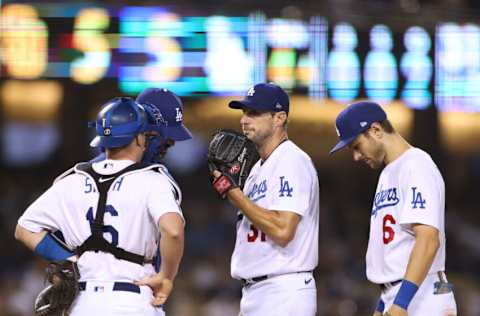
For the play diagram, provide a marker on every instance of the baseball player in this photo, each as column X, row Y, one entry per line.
column 276, row 245
column 171, row 114
column 406, row 247
column 113, row 241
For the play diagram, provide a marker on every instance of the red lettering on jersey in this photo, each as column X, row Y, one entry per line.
column 388, row 232
column 253, row 234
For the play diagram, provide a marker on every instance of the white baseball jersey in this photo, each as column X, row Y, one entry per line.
column 135, row 203
column 410, row 191
column 286, row 181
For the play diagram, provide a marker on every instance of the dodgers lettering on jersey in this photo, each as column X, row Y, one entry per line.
column 286, row 181
column 410, row 191
column 135, row 203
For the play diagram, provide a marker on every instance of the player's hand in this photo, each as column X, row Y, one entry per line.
column 377, row 314
column 161, row 287
column 396, row 310
column 216, row 174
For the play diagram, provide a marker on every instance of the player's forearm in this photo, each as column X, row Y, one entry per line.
column 171, row 228
column 28, row 238
column 44, row 244
column 171, row 250
column 269, row 222
column 421, row 257
column 419, row 263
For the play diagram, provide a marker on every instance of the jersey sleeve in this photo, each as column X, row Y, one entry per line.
column 424, row 195
column 291, row 185
column 44, row 213
column 162, row 198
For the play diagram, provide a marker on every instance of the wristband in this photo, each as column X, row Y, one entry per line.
column 405, row 294
column 380, row 306
column 223, row 184
column 50, row 249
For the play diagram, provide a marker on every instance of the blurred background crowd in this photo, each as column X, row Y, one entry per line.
column 419, row 58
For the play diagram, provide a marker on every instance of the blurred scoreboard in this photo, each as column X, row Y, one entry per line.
column 139, row 47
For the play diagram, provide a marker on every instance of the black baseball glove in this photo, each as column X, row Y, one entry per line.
column 56, row 298
column 234, row 155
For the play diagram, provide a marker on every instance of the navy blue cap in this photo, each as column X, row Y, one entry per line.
column 171, row 108
column 264, row 97
column 355, row 119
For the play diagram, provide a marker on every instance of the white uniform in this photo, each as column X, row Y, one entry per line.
column 410, row 191
column 135, row 203
column 286, row 181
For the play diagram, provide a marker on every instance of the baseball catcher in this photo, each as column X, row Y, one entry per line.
column 56, row 299
column 234, row 155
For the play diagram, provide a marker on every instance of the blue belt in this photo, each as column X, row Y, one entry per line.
column 248, row 282
column 117, row 286
column 388, row 285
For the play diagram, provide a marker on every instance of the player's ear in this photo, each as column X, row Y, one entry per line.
column 281, row 118
column 376, row 130
column 138, row 140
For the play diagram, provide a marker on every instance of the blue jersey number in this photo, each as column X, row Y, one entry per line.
column 106, row 228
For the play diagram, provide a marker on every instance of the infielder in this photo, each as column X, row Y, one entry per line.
column 113, row 253
column 276, row 245
column 172, row 129
column 406, row 247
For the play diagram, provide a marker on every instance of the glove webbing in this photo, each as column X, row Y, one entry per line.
column 96, row 242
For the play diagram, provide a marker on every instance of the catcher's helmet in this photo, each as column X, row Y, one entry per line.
column 118, row 122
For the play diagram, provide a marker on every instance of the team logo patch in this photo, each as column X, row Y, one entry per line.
column 235, row 169
column 285, row 188
column 363, row 124
column 107, row 131
column 417, row 200
column 250, row 92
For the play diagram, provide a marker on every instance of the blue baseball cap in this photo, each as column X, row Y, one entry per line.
column 264, row 97
column 355, row 119
column 171, row 109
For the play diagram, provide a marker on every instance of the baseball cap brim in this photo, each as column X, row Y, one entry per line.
column 177, row 133
column 243, row 104
column 342, row 144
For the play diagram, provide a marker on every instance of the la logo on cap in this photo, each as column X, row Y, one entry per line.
column 250, row 92
column 179, row 116
column 363, row 124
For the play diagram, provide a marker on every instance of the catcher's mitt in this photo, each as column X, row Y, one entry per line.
column 56, row 299
column 234, row 155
